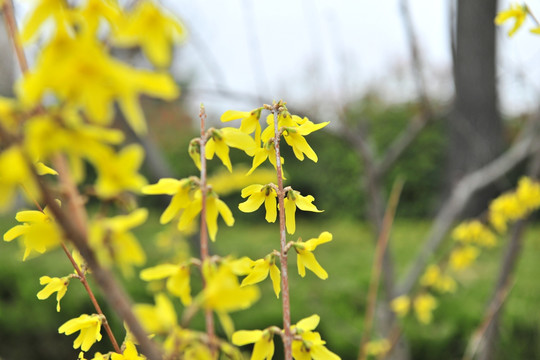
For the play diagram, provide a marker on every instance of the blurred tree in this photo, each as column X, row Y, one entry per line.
column 475, row 127
column 7, row 63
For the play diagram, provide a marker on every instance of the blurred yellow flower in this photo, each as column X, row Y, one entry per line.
column 158, row 319
column 424, row 305
column 130, row 353
column 517, row 12
column 401, row 305
column 462, row 258
column 178, row 279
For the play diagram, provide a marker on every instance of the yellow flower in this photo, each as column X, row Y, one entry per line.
column 80, row 72
column 293, row 200
column 119, row 172
column 528, row 194
column 377, row 347
column 474, row 232
column 250, row 121
column 14, row 172
column 516, row 12
column 178, row 281
column 220, row 141
column 39, row 232
column 260, row 270
column 267, row 151
column 43, row 11
column 424, row 305
column 90, row 14
column 158, row 319
column 153, row 30
column 264, row 342
column 306, row 259
column 180, row 189
column 311, row 346
column 257, row 195
column 114, row 244
column 88, row 325
column 214, row 206
column 294, row 136
column 463, row 257
column 58, row 285
column 401, row 305
column 434, row 278
column 130, row 353
column 223, row 292
column 504, row 209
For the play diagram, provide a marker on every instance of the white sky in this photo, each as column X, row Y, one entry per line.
column 314, row 52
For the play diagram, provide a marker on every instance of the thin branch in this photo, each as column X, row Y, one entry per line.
column 459, row 198
column 287, row 337
column 382, row 243
column 208, row 314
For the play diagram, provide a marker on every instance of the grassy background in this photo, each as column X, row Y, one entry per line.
column 28, row 327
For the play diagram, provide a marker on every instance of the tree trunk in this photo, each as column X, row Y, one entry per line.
column 475, row 128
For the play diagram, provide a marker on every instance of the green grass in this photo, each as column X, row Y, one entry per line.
column 28, row 327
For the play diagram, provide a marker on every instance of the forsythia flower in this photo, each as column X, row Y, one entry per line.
column 257, row 195
column 58, row 285
column 433, row 277
column 504, row 209
column 377, row 347
column 180, row 189
column 158, row 319
column 401, row 305
column 264, row 342
column 80, row 72
column 14, row 171
column 306, row 259
column 267, row 151
column 119, row 172
column 152, row 29
column 130, row 353
column 39, row 231
column 178, row 281
column 220, row 141
column 474, row 232
column 88, row 325
column 311, row 346
column 250, row 120
column 293, row 200
column 517, row 12
column 113, row 242
column 223, row 292
column 528, row 194
column 463, row 257
column 260, row 270
column 423, row 307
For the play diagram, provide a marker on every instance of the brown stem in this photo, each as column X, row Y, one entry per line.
column 82, row 278
column 208, row 315
column 14, row 34
column 382, row 243
column 287, row 338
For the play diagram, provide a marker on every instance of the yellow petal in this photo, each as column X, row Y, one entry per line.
column 234, row 115
column 309, row 261
column 158, row 272
column 275, row 275
column 309, row 323
column 252, row 203
column 243, row 337
column 290, row 211
column 258, row 273
column 164, row 186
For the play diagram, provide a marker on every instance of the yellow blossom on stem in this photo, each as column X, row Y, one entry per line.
column 115, row 244
column 434, row 278
column 517, row 12
column 504, row 209
column 528, row 193
column 250, row 121
column 158, row 319
column 294, row 136
column 257, row 195
column 293, row 199
column 220, row 141
column 44, row 10
column 424, row 305
column 88, row 325
column 130, row 353
column 260, row 270
column 178, row 279
column 311, row 346
column 39, row 232
column 214, row 206
column 306, row 259
column 181, row 191
column 223, row 292
column 118, row 172
column 263, row 339
column 267, row 151
column 463, row 257
column 150, row 27
column 474, row 232
column 401, row 305
column 14, row 172
column 58, row 285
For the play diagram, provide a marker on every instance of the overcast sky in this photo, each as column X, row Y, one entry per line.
column 316, row 52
